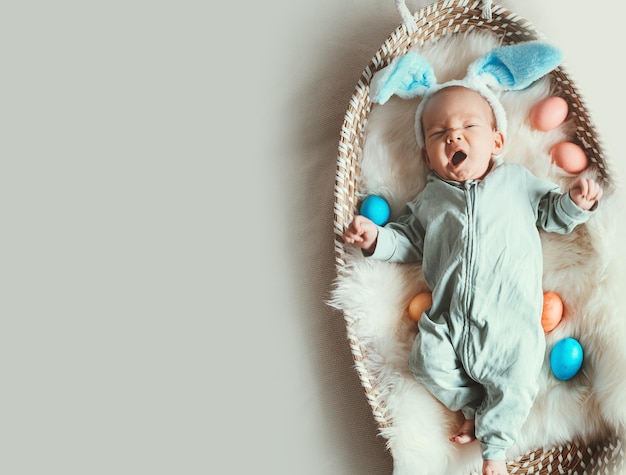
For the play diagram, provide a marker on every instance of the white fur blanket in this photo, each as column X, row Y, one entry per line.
column 584, row 268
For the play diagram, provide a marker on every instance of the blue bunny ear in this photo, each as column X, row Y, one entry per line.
column 517, row 66
column 407, row 76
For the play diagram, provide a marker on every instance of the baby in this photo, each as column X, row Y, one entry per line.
column 474, row 227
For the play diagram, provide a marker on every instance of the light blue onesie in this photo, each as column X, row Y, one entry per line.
column 480, row 346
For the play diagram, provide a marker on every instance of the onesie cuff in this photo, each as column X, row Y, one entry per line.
column 385, row 245
column 572, row 210
column 492, row 452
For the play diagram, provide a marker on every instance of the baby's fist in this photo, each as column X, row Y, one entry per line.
column 585, row 192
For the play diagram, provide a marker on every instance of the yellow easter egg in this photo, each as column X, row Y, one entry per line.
column 552, row 311
column 418, row 304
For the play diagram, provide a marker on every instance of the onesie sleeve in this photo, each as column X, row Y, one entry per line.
column 555, row 211
column 402, row 240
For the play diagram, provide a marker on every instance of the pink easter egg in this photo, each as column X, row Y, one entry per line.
column 549, row 113
column 569, row 157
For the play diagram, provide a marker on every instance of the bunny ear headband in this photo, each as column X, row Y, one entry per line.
column 506, row 68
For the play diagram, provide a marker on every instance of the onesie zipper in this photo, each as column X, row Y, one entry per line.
column 470, row 259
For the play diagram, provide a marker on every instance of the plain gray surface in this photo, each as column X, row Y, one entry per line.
column 167, row 192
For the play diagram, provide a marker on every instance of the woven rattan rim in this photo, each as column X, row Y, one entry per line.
column 440, row 19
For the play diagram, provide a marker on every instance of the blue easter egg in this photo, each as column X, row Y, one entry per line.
column 566, row 358
column 376, row 208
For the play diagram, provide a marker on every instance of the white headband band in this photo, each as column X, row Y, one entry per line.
column 507, row 68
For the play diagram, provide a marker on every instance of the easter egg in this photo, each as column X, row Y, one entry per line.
column 418, row 304
column 376, row 208
column 569, row 157
column 548, row 113
column 566, row 358
column 552, row 311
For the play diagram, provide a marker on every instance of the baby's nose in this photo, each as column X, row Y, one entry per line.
column 453, row 135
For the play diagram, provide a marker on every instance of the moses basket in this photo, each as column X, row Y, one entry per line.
column 600, row 452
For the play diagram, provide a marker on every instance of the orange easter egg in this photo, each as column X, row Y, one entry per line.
column 569, row 157
column 418, row 304
column 552, row 311
column 549, row 113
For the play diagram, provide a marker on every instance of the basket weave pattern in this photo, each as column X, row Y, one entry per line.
column 437, row 20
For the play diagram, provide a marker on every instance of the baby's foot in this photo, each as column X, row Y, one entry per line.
column 494, row 467
column 466, row 433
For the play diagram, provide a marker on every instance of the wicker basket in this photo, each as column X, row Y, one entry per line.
column 437, row 20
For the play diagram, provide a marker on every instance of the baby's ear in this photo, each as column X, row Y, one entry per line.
column 498, row 142
column 425, row 158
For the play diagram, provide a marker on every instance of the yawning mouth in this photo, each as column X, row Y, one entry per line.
column 458, row 157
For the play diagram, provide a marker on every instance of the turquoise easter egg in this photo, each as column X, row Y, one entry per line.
column 376, row 208
column 566, row 358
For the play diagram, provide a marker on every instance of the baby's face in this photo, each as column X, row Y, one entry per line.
column 459, row 134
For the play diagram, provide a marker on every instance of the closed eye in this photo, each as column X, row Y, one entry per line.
column 437, row 133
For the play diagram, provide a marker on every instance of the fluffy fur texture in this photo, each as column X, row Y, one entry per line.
column 584, row 268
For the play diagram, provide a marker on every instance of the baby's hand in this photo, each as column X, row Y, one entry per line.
column 363, row 233
column 585, row 192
